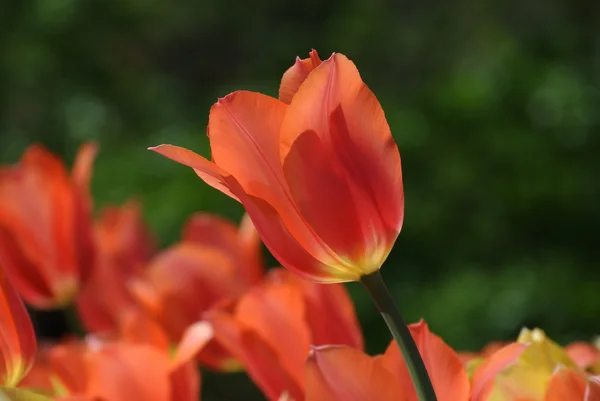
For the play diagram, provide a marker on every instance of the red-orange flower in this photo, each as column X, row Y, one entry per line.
column 213, row 265
column 17, row 339
column 45, row 226
column 274, row 325
column 124, row 246
column 136, row 365
column 320, row 177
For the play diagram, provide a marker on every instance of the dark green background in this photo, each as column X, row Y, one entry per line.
column 494, row 105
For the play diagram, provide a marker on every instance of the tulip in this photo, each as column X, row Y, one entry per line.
column 320, row 177
column 319, row 174
column 214, row 264
column 45, row 226
column 17, row 338
column 124, row 246
column 272, row 327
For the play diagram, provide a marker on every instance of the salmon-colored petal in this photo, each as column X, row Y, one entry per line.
column 583, row 354
column 139, row 328
column 17, row 338
column 449, row 378
column 276, row 312
column 329, row 311
column 338, row 373
column 214, row 231
column 125, row 244
column 483, row 378
column 193, row 340
column 296, row 74
column 67, row 363
column 208, row 171
column 83, row 166
column 123, row 372
column 260, row 360
column 185, row 383
column 572, row 385
column 335, row 104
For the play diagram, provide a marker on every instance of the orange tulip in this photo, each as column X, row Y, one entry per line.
column 274, row 324
column 213, row 265
column 17, row 339
column 124, row 246
column 137, row 365
column 320, row 177
column 45, row 226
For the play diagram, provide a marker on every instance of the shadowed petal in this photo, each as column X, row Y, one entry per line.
column 260, row 360
column 335, row 104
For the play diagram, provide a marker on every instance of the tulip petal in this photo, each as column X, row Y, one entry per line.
column 287, row 250
column 83, row 166
column 256, row 355
column 329, row 311
column 208, row 171
column 121, row 372
column 483, row 378
column 276, row 312
column 566, row 385
column 244, row 138
column 169, row 289
column 339, row 373
column 583, row 354
column 335, row 103
column 295, row 76
column 449, row 378
column 17, row 338
column 193, row 340
column 323, row 196
column 214, row 231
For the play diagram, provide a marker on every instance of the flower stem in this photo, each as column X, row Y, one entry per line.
column 418, row 373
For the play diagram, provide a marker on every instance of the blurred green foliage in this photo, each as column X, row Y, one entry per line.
column 494, row 105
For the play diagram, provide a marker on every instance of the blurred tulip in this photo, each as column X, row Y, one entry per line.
column 274, row 325
column 136, row 365
column 45, row 226
column 124, row 246
column 585, row 355
column 532, row 376
column 213, row 265
column 320, row 177
column 17, row 338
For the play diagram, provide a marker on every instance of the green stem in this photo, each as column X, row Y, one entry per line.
column 418, row 373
